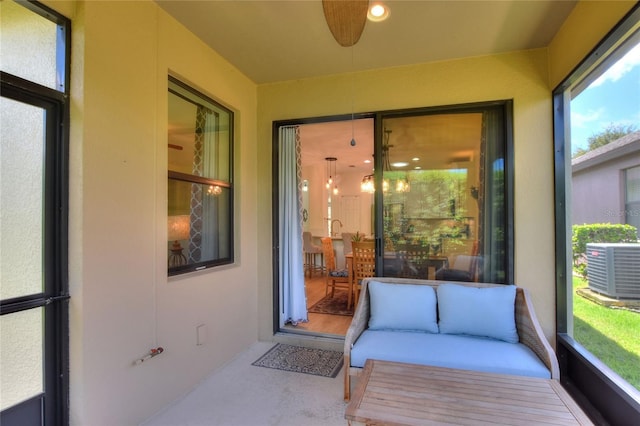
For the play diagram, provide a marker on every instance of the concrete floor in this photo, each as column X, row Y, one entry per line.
column 241, row 394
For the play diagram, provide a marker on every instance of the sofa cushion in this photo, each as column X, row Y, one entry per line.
column 402, row 307
column 448, row 350
column 339, row 273
column 486, row 312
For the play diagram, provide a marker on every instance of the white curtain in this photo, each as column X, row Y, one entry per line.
column 293, row 300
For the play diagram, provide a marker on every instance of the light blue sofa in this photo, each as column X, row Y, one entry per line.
column 469, row 326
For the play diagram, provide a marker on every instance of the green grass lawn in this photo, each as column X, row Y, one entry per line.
column 612, row 335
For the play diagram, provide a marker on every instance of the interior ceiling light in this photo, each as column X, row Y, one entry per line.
column 346, row 19
column 378, row 12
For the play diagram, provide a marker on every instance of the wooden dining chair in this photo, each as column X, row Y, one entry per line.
column 364, row 263
column 334, row 277
column 413, row 261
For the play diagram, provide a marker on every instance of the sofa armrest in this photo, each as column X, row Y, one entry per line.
column 530, row 332
column 359, row 321
column 358, row 325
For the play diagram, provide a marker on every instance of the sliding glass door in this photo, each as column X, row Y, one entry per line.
column 446, row 193
column 34, row 112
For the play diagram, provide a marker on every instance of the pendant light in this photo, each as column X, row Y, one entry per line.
column 401, row 184
column 331, row 184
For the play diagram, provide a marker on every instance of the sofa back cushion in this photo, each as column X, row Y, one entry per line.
column 403, row 307
column 485, row 312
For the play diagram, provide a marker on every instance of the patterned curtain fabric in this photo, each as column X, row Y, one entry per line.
column 203, row 244
column 293, row 299
column 195, row 237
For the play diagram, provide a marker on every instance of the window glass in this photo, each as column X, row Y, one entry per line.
column 632, row 210
column 200, row 194
column 199, row 135
column 22, row 198
column 605, row 210
column 21, row 360
column 633, row 185
column 25, row 31
column 443, row 188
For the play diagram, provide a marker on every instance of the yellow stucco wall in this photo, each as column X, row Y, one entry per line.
column 122, row 303
column 588, row 23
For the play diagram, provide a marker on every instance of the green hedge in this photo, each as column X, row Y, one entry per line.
column 598, row 233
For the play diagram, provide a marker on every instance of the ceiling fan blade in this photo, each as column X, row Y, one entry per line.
column 346, row 19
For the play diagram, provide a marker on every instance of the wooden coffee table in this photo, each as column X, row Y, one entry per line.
column 391, row 393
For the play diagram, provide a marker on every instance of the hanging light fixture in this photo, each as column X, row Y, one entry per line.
column 367, row 184
column 401, row 184
column 331, row 184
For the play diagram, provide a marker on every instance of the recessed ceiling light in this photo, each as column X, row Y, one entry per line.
column 367, row 161
column 415, row 159
column 378, row 12
column 400, row 164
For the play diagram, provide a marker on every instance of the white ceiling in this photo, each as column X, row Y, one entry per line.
column 272, row 41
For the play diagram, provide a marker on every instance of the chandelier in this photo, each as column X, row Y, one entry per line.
column 331, row 184
column 367, row 184
column 368, row 181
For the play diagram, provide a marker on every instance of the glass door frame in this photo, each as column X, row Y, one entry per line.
column 378, row 118
column 507, row 108
column 275, row 214
column 51, row 406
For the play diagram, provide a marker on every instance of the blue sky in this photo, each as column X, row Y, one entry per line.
column 614, row 98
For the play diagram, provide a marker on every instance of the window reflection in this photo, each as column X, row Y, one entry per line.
column 444, row 184
column 199, row 223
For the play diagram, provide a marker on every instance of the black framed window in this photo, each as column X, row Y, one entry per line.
column 447, row 192
column 593, row 188
column 34, row 125
column 200, row 186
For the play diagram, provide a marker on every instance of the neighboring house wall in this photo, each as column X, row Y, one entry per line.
column 598, row 195
column 598, row 181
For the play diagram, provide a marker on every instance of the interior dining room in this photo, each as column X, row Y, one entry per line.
column 335, row 208
column 437, row 171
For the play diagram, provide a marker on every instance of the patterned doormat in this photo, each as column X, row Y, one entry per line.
column 319, row 362
column 336, row 305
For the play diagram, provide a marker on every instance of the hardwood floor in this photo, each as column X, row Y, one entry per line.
column 321, row 323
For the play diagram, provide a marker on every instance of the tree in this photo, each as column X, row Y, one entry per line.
column 610, row 133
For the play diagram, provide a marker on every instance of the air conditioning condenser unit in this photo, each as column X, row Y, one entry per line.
column 614, row 269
